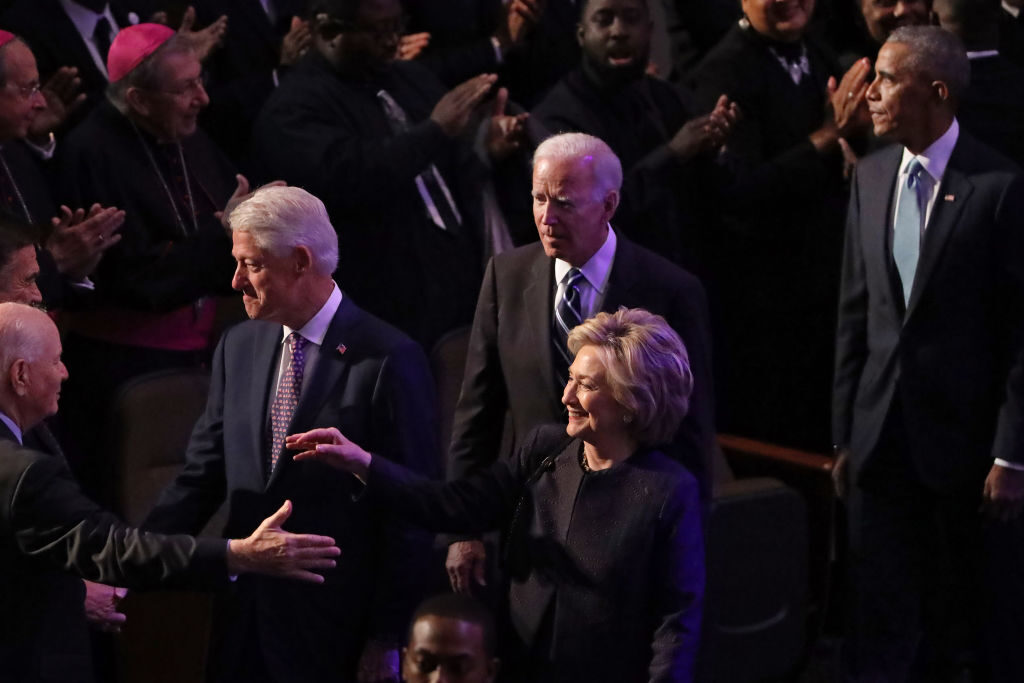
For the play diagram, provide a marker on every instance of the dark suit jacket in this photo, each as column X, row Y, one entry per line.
column 49, row 531
column 329, row 134
column 372, row 383
column 606, row 569
column 944, row 362
column 510, row 367
column 992, row 107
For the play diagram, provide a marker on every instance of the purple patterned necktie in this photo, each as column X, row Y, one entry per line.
column 288, row 390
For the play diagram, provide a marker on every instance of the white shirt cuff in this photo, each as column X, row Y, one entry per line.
column 1010, row 465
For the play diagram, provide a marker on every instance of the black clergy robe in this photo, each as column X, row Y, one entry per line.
column 331, row 136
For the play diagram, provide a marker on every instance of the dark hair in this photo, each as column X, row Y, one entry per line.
column 343, row 10
column 14, row 236
column 462, row 607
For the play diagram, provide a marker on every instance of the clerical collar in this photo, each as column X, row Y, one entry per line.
column 15, row 429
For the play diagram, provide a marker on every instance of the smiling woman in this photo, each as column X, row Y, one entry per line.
column 603, row 542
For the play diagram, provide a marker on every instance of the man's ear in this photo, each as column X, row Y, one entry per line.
column 611, row 203
column 941, row 90
column 579, row 34
column 138, row 102
column 303, row 259
column 18, row 377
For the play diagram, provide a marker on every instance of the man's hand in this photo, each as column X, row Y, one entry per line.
column 273, row 551
column 1003, row 495
column 206, row 40
column 466, row 565
column 62, row 92
column 410, row 46
column 296, row 42
column 453, row 110
column 841, row 473
column 330, row 446
column 79, row 239
column 519, row 19
column 379, row 663
column 505, row 134
column 241, row 193
column 101, row 602
column 705, row 133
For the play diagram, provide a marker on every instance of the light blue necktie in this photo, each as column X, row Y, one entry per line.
column 906, row 240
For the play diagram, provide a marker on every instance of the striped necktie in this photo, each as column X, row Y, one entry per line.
column 568, row 314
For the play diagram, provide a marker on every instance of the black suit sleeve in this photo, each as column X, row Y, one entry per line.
column 483, row 400
column 851, row 333
column 51, row 519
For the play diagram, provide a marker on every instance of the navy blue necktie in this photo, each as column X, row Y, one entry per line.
column 568, row 314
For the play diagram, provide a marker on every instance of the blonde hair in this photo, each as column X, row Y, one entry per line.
column 646, row 366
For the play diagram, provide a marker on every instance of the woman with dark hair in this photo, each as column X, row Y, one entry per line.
column 602, row 531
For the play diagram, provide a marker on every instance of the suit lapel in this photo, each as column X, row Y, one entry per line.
column 953, row 195
column 263, row 373
column 876, row 218
column 622, row 278
column 537, row 302
column 331, row 366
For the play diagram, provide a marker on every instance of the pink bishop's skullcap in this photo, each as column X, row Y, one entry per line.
column 132, row 45
column 5, row 37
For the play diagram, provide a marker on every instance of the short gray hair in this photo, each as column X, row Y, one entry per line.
column 607, row 167
column 146, row 76
column 936, row 53
column 3, row 57
column 282, row 218
column 19, row 334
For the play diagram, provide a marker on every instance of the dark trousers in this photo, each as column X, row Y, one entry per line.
column 937, row 590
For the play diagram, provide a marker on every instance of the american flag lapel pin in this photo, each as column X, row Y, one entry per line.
column 949, row 198
column 342, row 349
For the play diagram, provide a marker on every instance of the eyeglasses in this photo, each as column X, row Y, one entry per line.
column 191, row 87
column 26, row 92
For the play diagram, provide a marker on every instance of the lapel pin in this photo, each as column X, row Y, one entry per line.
column 949, row 198
column 342, row 349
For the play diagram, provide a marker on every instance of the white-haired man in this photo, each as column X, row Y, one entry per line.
column 518, row 359
column 928, row 399
column 308, row 357
column 49, row 528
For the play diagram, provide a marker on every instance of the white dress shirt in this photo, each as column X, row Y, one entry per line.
column 594, row 284
column 313, row 332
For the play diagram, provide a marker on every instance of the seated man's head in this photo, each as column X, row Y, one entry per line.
column 156, row 81
column 30, row 365
column 576, row 183
column 286, row 252
column 615, row 36
column 19, row 268
column 882, row 17
column 357, row 37
column 20, row 98
column 920, row 74
column 452, row 639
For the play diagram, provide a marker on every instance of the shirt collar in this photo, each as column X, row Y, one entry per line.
column 85, row 19
column 980, row 54
column 316, row 329
column 597, row 269
column 935, row 157
column 1011, row 10
column 15, row 429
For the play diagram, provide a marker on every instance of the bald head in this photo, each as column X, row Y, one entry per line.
column 32, row 371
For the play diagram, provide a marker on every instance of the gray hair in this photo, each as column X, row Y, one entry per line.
column 936, row 53
column 607, row 167
column 147, row 76
column 19, row 334
column 282, row 218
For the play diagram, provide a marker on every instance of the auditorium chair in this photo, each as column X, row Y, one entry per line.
column 166, row 637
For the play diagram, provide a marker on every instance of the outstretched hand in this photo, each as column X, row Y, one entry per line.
column 273, row 551
column 330, row 447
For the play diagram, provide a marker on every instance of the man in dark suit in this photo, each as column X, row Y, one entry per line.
column 517, row 359
column 330, row 363
column 928, row 388
column 49, row 530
